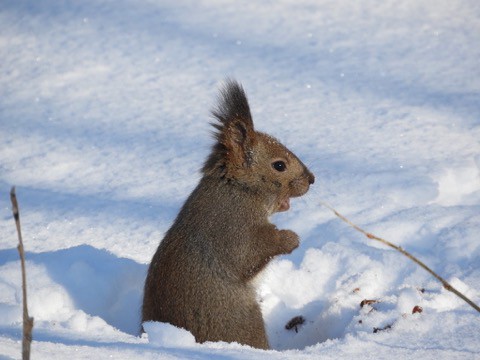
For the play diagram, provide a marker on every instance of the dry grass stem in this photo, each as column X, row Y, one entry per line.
column 27, row 320
column 445, row 284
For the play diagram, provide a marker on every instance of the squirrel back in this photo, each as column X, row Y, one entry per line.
column 200, row 276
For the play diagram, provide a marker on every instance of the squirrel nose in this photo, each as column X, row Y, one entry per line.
column 311, row 177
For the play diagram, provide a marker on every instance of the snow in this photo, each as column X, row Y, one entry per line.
column 104, row 125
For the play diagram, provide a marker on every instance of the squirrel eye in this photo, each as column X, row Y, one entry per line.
column 279, row 166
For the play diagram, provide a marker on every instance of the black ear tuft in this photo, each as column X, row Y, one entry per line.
column 233, row 104
column 235, row 134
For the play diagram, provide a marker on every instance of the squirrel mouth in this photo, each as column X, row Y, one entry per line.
column 284, row 204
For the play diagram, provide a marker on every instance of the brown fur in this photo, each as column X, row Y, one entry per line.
column 200, row 276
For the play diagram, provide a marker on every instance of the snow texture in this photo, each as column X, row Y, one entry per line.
column 104, row 125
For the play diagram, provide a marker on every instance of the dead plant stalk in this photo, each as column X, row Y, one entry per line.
column 445, row 284
column 27, row 320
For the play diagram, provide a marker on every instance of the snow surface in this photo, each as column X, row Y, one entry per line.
column 104, row 117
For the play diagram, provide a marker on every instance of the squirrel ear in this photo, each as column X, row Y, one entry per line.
column 238, row 138
column 236, row 135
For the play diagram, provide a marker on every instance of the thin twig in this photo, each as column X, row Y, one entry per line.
column 27, row 320
column 445, row 284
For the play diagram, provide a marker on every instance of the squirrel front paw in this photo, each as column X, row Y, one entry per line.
column 290, row 240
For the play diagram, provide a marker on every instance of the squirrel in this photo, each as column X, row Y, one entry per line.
column 200, row 277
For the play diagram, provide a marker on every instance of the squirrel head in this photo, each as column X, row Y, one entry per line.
column 251, row 159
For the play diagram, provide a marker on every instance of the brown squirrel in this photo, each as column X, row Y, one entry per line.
column 200, row 277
